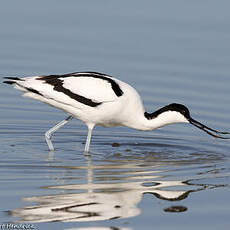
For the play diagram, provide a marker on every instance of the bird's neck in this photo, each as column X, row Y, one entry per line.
column 151, row 121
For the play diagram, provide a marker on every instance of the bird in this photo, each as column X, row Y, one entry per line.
column 98, row 99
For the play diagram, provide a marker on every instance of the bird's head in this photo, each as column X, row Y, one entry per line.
column 176, row 113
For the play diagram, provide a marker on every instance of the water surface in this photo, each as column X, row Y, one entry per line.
column 176, row 177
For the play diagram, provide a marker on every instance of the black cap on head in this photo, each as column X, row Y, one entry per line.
column 185, row 112
column 171, row 107
column 178, row 108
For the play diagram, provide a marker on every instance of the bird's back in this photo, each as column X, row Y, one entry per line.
column 89, row 96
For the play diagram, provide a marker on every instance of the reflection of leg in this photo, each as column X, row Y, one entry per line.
column 90, row 128
column 50, row 132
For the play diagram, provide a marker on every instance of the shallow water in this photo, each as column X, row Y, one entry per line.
column 176, row 177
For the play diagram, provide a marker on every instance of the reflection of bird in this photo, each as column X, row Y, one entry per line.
column 105, row 202
column 99, row 99
column 100, row 201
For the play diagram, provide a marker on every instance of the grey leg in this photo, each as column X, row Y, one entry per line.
column 50, row 132
column 90, row 128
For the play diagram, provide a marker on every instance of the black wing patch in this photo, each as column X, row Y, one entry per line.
column 58, row 85
column 116, row 88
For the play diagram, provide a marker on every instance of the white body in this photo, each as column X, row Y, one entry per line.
column 95, row 99
column 126, row 110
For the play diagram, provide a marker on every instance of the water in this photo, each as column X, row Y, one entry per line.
column 176, row 177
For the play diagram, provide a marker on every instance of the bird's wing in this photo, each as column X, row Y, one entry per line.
column 76, row 89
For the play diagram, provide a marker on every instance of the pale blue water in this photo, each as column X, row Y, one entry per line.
column 176, row 177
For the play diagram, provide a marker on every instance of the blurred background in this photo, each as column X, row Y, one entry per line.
column 170, row 51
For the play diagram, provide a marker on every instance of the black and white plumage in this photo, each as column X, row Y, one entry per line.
column 100, row 99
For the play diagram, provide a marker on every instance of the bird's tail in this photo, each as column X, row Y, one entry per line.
column 12, row 80
column 21, row 84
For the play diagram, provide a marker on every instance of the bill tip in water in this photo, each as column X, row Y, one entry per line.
column 210, row 131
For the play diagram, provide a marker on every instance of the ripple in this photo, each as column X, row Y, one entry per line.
column 114, row 188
